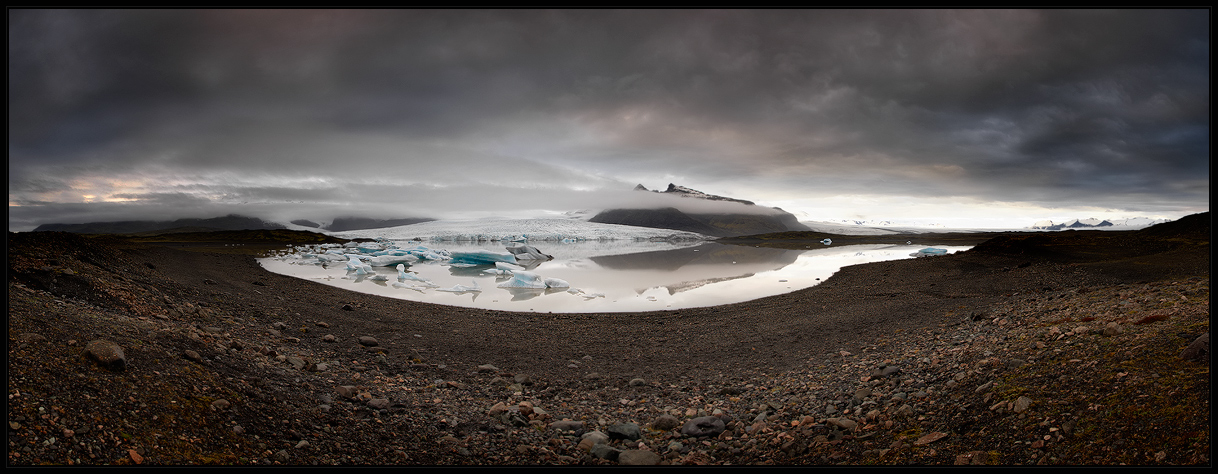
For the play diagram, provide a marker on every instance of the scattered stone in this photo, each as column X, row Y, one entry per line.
column 192, row 356
column 368, row 341
column 886, row 371
column 31, row 338
column 220, row 404
column 567, row 425
column 1022, row 404
column 605, row 452
column 1199, row 349
column 843, row 423
column 297, row 363
column 638, row 457
column 107, row 354
column 971, row 458
column 596, row 436
column 629, row 431
column 637, row 383
column 930, row 438
column 488, row 368
column 703, row 426
column 329, row 338
column 346, row 391
column 665, row 422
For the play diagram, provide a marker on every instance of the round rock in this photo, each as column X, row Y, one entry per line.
column 703, row 426
column 107, row 354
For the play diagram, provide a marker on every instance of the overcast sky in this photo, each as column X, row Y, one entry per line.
column 957, row 117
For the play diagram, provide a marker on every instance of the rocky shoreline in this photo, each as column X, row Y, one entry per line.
column 1000, row 356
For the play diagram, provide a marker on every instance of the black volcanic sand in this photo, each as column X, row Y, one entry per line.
column 201, row 291
column 856, row 304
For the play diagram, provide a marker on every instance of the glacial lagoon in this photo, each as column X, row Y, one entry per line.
column 613, row 276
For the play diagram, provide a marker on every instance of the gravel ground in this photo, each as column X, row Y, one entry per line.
column 1007, row 354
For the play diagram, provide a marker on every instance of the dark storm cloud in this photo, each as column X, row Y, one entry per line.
column 1090, row 107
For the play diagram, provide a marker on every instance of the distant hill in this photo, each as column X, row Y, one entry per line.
column 229, row 222
column 360, row 223
column 714, row 224
column 1194, row 226
column 666, row 218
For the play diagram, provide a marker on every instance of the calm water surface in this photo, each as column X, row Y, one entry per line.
column 611, row 276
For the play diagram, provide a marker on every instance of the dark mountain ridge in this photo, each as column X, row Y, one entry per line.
column 725, row 224
column 229, row 222
column 360, row 223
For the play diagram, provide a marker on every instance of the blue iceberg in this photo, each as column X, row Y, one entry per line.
column 929, row 252
column 481, row 257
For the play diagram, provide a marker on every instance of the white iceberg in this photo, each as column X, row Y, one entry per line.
column 403, row 276
column 391, row 260
column 556, row 283
column 528, row 252
column 508, row 266
column 524, row 279
column 463, row 288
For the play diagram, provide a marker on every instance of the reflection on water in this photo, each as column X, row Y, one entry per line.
column 609, row 278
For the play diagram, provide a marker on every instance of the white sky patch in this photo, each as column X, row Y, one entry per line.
column 950, row 212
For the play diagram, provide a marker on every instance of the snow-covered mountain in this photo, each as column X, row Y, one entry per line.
column 693, row 193
column 1132, row 223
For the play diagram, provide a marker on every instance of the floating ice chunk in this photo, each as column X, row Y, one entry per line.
column 357, row 265
column 524, row 279
column 929, row 252
column 482, row 257
column 429, row 255
column 827, row 241
column 508, row 266
column 528, row 252
column 407, row 287
column 369, row 247
column 463, row 289
column 379, row 278
column 403, row 276
column 391, row 260
column 556, row 283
